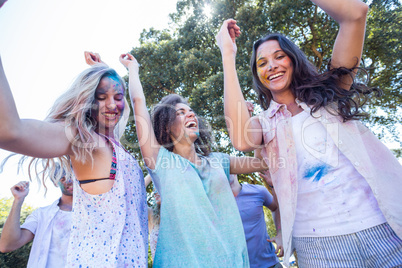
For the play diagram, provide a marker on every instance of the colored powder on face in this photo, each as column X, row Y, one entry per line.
column 116, row 84
column 261, row 76
column 62, row 187
column 286, row 60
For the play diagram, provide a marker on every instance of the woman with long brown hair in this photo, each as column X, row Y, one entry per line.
column 336, row 182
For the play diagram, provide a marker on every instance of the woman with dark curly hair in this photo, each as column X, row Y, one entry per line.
column 200, row 225
column 337, row 184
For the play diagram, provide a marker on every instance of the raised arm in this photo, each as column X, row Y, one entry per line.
column 12, row 236
column 244, row 130
column 348, row 47
column 145, row 131
column 30, row 137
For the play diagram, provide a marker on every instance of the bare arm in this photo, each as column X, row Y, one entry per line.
column 147, row 180
column 12, row 236
column 266, row 176
column 278, row 238
column 274, row 207
column 245, row 165
column 244, row 131
column 30, row 137
column 348, row 47
column 145, row 131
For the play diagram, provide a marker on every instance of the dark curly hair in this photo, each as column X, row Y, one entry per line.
column 316, row 90
column 163, row 115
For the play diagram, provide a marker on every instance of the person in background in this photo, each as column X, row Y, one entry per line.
column 250, row 200
column 49, row 227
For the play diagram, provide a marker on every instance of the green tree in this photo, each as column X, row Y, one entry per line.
column 17, row 258
column 184, row 58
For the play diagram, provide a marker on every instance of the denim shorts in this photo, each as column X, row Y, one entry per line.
column 378, row 246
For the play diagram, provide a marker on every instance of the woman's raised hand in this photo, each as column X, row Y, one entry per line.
column 129, row 61
column 92, row 58
column 226, row 37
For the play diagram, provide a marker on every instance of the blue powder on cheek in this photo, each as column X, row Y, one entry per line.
column 316, row 172
column 197, row 133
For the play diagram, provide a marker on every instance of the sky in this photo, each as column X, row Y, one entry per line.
column 42, row 44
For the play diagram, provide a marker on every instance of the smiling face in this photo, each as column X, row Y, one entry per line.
column 185, row 125
column 109, row 98
column 274, row 67
column 66, row 186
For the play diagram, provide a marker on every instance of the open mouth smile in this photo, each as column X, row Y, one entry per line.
column 110, row 116
column 273, row 76
column 191, row 124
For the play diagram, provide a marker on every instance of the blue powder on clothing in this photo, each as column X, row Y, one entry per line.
column 316, row 172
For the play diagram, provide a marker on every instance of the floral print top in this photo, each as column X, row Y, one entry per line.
column 111, row 229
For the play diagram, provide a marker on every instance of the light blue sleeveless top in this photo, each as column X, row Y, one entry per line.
column 200, row 223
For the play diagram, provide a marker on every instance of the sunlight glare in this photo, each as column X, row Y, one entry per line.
column 207, row 11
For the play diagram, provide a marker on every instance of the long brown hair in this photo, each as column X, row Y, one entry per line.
column 316, row 90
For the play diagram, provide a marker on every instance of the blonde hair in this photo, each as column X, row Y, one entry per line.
column 74, row 110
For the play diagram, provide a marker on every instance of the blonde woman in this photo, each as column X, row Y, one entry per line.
column 82, row 129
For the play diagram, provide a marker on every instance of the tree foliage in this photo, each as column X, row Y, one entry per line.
column 185, row 59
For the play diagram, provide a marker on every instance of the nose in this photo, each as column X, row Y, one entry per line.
column 190, row 114
column 271, row 66
column 111, row 104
